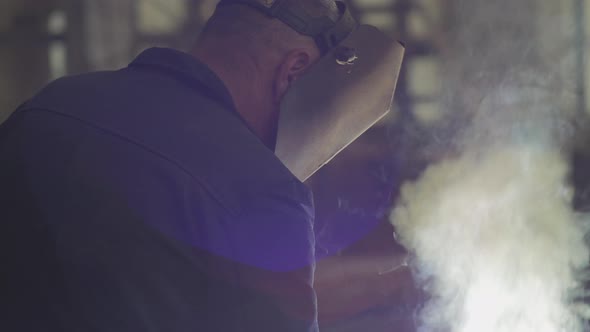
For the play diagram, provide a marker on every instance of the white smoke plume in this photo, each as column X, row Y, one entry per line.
column 494, row 234
column 496, row 242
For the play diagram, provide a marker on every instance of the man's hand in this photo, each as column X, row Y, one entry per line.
column 370, row 274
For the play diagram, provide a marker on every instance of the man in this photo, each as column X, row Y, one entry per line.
column 149, row 198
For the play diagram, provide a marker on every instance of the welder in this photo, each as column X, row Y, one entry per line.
column 151, row 199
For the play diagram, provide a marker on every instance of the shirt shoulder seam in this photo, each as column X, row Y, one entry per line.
column 144, row 147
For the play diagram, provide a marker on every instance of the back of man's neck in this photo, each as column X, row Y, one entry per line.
column 243, row 80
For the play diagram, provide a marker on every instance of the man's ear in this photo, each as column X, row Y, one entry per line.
column 293, row 66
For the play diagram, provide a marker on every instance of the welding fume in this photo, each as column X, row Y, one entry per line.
column 495, row 241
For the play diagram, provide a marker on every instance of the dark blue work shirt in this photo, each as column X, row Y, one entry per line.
column 139, row 200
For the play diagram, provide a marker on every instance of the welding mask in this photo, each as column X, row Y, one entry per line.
column 349, row 90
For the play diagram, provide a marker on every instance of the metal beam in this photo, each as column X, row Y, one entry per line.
column 580, row 19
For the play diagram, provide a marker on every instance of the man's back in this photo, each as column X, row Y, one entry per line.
column 137, row 200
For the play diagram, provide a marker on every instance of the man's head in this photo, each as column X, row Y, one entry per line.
column 258, row 58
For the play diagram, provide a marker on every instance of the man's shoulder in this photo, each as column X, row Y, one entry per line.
column 180, row 123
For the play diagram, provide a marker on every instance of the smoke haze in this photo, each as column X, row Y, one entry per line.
column 495, row 240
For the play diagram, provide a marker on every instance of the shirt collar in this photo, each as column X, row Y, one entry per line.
column 185, row 66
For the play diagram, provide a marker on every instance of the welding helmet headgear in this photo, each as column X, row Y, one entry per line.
column 343, row 95
column 328, row 29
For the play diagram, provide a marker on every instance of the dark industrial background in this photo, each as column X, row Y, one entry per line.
column 359, row 286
